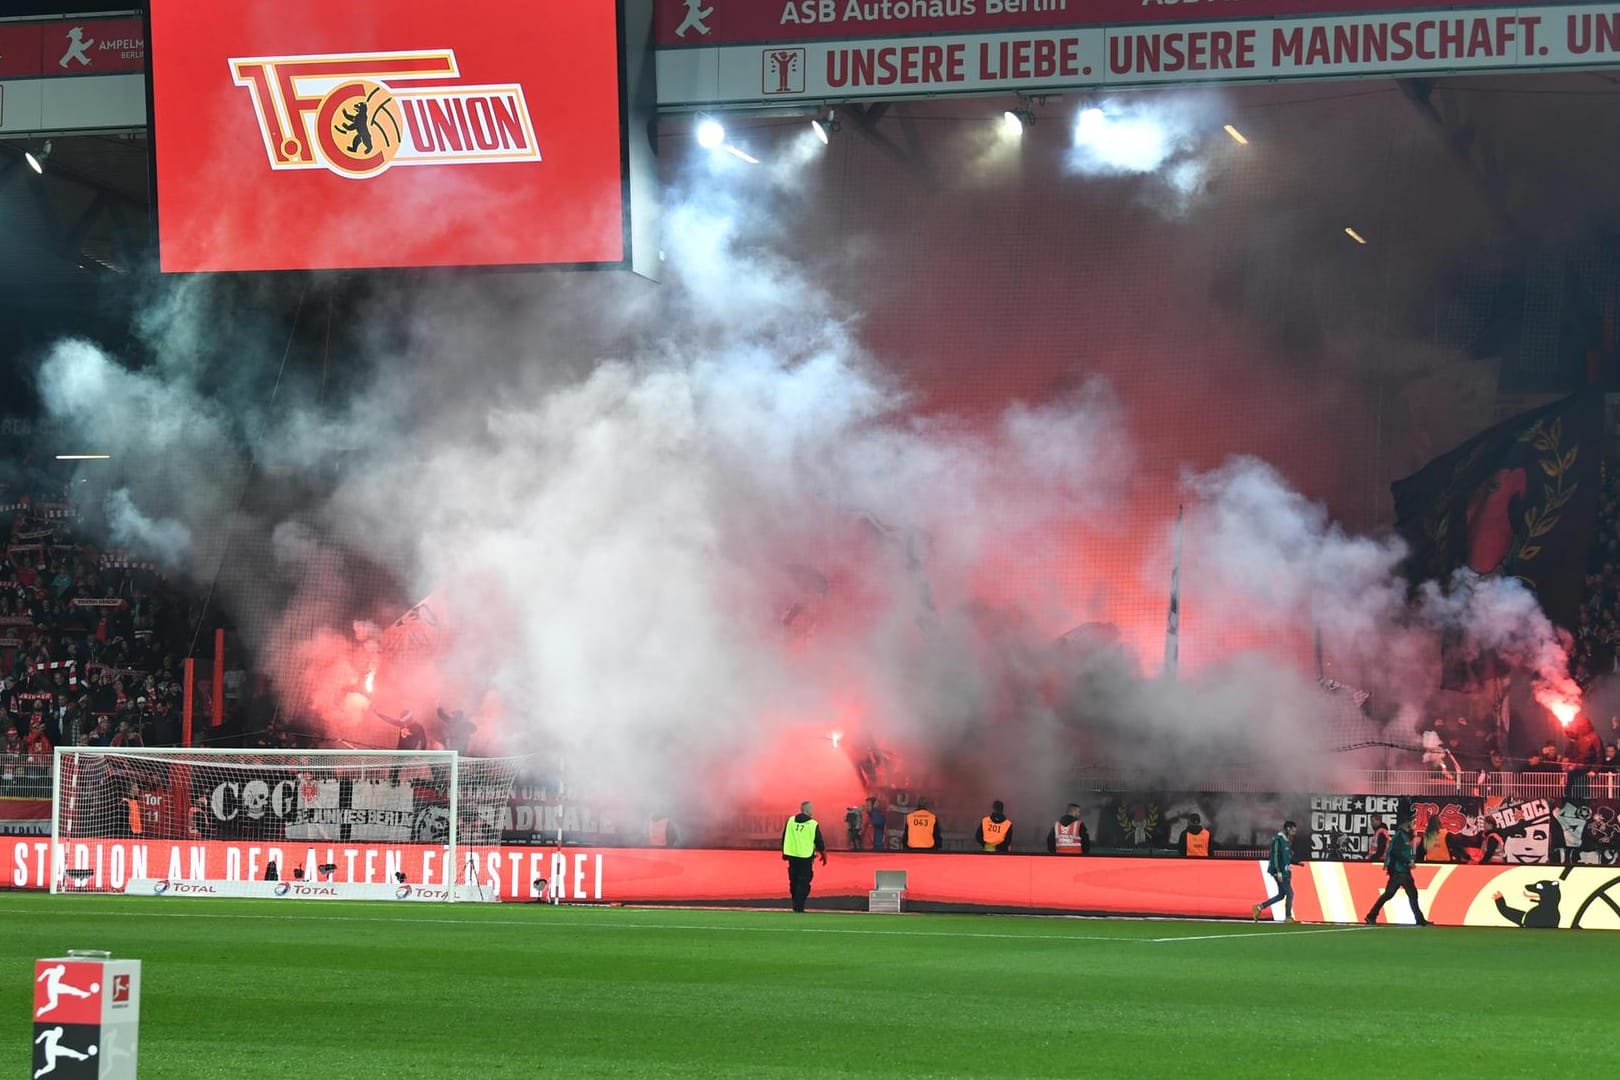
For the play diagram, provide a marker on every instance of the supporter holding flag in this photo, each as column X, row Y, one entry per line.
column 37, row 744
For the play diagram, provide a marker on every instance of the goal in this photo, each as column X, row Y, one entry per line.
column 325, row 824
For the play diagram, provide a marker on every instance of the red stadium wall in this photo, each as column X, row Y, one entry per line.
column 1452, row 895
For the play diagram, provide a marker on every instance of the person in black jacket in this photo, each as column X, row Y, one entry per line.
column 801, row 844
column 1398, row 864
column 1076, row 841
column 994, row 833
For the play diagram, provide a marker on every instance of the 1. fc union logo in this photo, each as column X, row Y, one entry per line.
column 346, row 112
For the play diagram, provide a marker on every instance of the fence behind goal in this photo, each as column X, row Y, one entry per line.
column 433, row 815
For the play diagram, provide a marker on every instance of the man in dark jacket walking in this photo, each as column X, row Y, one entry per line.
column 1280, row 865
column 1398, row 865
column 801, row 843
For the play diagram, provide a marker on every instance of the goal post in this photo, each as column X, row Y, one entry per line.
column 360, row 824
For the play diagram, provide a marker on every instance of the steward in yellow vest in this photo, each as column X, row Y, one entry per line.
column 801, row 843
column 995, row 831
column 922, row 829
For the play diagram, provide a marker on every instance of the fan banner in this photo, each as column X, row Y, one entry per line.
column 1466, row 828
column 839, row 51
column 1454, row 895
column 730, row 22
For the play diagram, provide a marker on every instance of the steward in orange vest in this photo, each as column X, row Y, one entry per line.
column 995, row 831
column 922, row 829
column 1195, row 840
column 1069, row 835
column 132, row 804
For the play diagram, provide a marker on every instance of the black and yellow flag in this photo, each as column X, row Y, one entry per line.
column 1519, row 500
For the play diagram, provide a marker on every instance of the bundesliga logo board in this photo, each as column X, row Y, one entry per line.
column 301, row 134
column 86, row 1018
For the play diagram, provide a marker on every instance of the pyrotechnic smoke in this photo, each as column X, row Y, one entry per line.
column 1158, row 136
column 1270, row 561
column 682, row 530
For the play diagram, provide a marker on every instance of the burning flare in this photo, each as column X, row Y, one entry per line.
column 1562, row 706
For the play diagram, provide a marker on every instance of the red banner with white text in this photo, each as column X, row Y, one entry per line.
column 842, row 53
column 1513, row 896
column 695, row 23
column 48, row 49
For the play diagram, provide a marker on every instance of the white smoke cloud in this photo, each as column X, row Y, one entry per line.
column 671, row 527
column 1145, row 135
column 166, row 540
column 1265, row 560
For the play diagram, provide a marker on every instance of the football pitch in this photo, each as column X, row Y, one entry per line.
column 241, row 989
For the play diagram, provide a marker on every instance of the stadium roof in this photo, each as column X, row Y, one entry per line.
column 1523, row 161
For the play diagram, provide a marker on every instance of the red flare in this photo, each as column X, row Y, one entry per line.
column 1564, row 709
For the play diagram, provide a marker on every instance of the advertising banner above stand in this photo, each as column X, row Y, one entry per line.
column 62, row 75
column 778, row 52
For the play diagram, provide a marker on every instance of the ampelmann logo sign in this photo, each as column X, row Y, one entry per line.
column 347, row 113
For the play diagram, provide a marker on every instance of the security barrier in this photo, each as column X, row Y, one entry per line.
column 1587, row 897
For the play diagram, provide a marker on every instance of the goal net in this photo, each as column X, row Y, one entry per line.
column 329, row 824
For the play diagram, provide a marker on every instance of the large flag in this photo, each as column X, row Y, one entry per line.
column 1518, row 500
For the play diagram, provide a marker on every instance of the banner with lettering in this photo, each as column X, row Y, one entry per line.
column 1467, row 828
column 1508, row 897
column 714, row 52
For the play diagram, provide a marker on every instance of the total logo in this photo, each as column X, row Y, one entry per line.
column 420, row 892
column 310, row 890
column 282, row 888
column 182, row 888
column 355, row 115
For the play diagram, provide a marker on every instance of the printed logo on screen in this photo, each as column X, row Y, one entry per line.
column 282, row 888
column 120, row 989
column 355, row 115
column 782, row 71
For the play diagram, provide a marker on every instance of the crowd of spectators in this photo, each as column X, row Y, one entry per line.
column 1459, row 748
column 1597, row 633
column 90, row 638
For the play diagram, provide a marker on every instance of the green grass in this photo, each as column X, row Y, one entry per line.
column 243, row 989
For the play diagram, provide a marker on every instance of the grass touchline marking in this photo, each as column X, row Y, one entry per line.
column 741, row 929
column 588, row 925
column 1262, row 934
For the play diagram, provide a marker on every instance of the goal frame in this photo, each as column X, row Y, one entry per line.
column 447, row 758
